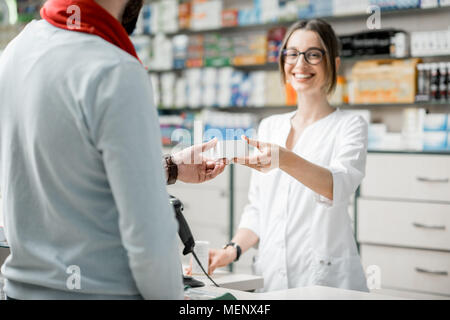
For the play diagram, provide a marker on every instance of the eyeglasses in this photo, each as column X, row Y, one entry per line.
column 312, row 56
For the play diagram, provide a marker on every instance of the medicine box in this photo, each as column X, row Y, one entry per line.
column 228, row 149
column 435, row 122
column 435, row 140
column 384, row 81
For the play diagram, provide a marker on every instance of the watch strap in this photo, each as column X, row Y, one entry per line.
column 171, row 168
column 237, row 247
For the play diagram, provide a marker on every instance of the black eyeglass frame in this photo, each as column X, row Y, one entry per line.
column 299, row 53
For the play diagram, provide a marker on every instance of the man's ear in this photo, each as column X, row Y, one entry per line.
column 338, row 63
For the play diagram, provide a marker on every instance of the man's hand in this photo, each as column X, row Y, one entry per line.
column 193, row 167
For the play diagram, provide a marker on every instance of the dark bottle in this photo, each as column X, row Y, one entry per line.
column 443, row 79
column 434, row 87
column 448, row 82
column 427, row 82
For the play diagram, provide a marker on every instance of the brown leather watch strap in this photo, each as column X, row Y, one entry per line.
column 171, row 168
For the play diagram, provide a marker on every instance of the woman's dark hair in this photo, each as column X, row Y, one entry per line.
column 329, row 42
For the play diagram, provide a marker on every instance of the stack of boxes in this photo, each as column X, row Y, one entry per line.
column 430, row 43
column 250, row 49
column 171, row 15
column 436, row 132
column 218, row 50
column 219, row 87
column 206, row 14
column 195, row 51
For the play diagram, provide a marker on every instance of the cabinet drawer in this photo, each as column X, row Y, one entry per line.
column 400, row 176
column 206, row 207
column 411, row 224
column 410, row 269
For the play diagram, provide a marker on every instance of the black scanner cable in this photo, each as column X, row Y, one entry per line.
column 206, row 273
column 185, row 233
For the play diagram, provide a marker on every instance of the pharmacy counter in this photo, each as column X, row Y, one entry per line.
column 236, row 283
column 305, row 293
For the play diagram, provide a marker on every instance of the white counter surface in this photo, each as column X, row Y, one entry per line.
column 305, row 293
column 236, row 283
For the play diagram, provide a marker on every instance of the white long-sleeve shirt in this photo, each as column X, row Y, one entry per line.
column 81, row 172
column 304, row 238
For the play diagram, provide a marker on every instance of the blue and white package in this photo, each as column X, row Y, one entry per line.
column 435, row 122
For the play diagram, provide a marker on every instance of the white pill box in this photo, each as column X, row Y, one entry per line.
column 228, row 149
column 436, row 122
column 435, row 140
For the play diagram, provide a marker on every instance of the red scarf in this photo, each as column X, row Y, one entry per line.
column 94, row 19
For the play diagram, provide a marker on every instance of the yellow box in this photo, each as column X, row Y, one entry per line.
column 384, row 81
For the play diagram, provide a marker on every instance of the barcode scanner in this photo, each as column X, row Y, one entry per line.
column 183, row 228
column 188, row 241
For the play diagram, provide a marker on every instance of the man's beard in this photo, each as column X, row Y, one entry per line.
column 131, row 15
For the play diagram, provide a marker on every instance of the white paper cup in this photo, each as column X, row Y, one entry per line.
column 201, row 249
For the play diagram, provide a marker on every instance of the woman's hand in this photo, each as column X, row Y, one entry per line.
column 218, row 258
column 267, row 159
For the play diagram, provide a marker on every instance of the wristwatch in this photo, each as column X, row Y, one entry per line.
column 238, row 249
column 171, row 168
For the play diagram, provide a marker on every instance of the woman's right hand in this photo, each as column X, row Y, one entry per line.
column 219, row 258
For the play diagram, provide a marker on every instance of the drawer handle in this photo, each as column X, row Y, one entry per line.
column 422, row 179
column 438, row 273
column 421, row 225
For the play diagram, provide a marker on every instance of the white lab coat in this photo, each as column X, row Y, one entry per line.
column 304, row 238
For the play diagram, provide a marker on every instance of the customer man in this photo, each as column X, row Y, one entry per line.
column 87, row 212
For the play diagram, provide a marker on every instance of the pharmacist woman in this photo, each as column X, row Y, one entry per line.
column 310, row 162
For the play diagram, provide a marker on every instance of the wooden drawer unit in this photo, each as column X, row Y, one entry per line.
column 410, row 224
column 409, row 269
column 407, row 176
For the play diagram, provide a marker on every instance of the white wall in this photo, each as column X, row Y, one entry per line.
column 1, row 211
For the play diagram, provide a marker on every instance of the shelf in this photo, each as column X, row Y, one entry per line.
column 289, row 22
column 228, row 109
column 256, row 67
column 271, row 66
column 437, row 152
column 292, row 108
column 397, row 105
column 386, row 57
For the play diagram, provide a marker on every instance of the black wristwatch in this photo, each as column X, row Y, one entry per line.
column 172, row 169
column 238, row 249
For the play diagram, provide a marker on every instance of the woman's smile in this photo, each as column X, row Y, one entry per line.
column 303, row 77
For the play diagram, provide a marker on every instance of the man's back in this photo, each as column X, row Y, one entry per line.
column 80, row 169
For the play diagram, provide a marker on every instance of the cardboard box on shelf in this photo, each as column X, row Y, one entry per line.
column 384, row 81
column 250, row 49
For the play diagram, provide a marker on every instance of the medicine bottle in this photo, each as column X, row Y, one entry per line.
column 448, row 82
column 443, row 79
column 434, row 87
column 420, row 81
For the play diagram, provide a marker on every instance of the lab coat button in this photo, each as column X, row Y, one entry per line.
column 329, row 263
column 322, row 262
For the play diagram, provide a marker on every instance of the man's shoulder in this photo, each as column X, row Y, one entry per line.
column 89, row 48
